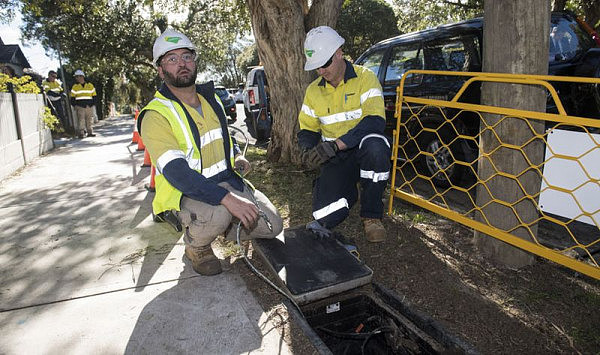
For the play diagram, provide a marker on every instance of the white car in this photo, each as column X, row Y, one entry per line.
column 256, row 105
column 239, row 96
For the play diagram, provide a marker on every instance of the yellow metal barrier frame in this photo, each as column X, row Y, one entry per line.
column 561, row 117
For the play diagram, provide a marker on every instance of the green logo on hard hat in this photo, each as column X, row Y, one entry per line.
column 172, row 39
column 309, row 52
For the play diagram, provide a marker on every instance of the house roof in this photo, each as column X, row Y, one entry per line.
column 12, row 53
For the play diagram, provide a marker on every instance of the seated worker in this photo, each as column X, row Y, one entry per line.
column 342, row 120
column 185, row 131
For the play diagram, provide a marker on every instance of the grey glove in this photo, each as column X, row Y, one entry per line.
column 319, row 154
column 318, row 229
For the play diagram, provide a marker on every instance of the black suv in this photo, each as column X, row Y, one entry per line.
column 228, row 103
column 458, row 47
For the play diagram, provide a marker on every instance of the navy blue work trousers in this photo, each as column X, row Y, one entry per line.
column 335, row 190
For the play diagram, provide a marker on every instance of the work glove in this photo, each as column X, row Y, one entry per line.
column 319, row 154
column 318, row 229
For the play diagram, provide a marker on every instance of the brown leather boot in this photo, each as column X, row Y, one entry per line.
column 203, row 260
column 374, row 229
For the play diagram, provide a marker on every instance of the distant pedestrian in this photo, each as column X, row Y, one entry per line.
column 54, row 92
column 83, row 97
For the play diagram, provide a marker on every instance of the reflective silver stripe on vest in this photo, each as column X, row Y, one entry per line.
column 83, row 98
column 329, row 209
column 373, row 135
column 215, row 169
column 308, row 111
column 166, row 158
column 76, row 92
column 341, row 117
column 211, row 136
column 189, row 155
column 371, row 175
column 369, row 94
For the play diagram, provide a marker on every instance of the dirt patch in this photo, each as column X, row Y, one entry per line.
column 432, row 263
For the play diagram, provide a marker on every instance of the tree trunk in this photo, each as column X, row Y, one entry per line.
column 279, row 29
column 558, row 5
column 591, row 9
column 515, row 41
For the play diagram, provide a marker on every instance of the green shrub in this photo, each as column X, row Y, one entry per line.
column 23, row 84
column 50, row 120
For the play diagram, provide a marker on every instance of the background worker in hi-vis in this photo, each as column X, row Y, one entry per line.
column 83, row 97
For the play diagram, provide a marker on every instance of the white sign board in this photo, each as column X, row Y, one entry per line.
column 571, row 184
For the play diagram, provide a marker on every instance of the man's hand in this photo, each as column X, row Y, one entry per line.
column 241, row 208
column 242, row 165
column 319, row 154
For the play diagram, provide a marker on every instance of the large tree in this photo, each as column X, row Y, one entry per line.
column 589, row 10
column 365, row 22
column 7, row 10
column 280, row 28
column 415, row 15
column 114, row 38
column 515, row 41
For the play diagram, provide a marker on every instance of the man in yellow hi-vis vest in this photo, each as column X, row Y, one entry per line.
column 185, row 131
column 341, row 132
column 83, row 97
column 54, row 92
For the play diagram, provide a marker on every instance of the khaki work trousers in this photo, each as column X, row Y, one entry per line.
column 204, row 222
column 85, row 117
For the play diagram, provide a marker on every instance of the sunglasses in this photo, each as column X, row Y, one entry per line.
column 327, row 63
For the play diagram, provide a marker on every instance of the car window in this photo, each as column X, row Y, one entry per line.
column 222, row 93
column 373, row 61
column 567, row 40
column 452, row 54
column 403, row 58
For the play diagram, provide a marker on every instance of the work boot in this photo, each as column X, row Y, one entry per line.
column 203, row 260
column 91, row 135
column 374, row 229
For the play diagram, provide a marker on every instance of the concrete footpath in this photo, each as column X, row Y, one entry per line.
column 85, row 270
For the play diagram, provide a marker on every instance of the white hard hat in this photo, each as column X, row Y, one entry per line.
column 168, row 41
column 320, row 44
column 79, row 72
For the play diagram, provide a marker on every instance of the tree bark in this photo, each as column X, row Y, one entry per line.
column 515, row 41
column 279, row 28
column 591, row 9
column 558, row 5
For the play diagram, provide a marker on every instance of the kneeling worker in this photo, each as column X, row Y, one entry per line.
column 185, row 131
column 341, row 131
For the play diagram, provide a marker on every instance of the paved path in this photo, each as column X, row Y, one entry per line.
column 86, row 270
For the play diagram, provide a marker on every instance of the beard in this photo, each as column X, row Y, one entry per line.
column 180, row 80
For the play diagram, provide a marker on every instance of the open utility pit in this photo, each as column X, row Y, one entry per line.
column 342, row 311
column 363, row 322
